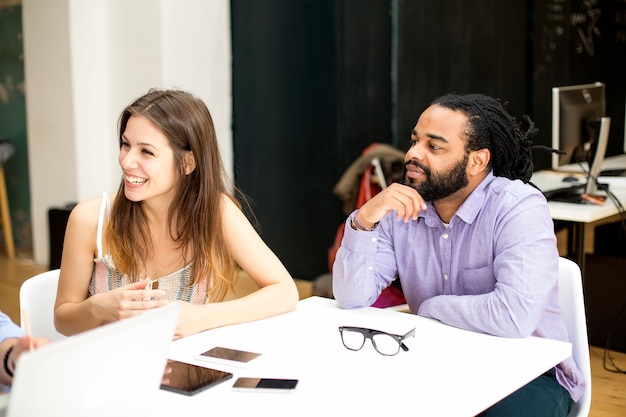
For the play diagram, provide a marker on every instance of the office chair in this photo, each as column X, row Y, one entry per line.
column 37, row 297
column 573, row 309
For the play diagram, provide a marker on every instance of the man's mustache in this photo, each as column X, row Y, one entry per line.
column 418, row 165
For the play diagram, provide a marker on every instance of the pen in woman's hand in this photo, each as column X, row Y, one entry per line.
column 27, row 328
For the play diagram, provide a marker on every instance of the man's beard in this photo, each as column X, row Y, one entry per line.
column 439, row 185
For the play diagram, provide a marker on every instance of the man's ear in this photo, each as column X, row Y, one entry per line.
column 190, row 162
column 479, row 161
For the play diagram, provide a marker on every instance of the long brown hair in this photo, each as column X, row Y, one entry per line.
column 195, row 215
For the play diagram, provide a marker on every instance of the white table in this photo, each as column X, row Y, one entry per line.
column 446, row 372
column 581, row 215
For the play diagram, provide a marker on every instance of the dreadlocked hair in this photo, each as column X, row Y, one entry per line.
column 490, row 126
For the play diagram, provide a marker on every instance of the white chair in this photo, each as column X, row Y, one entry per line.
column 573, row 309
column 37, row 297
column 572, row 305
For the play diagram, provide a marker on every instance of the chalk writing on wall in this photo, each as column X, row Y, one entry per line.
column 585, row 23
column 619, row 20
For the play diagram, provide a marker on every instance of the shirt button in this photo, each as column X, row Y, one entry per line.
column 370, row 267
column 373, row 240
column 445, row 277
column 445, row 235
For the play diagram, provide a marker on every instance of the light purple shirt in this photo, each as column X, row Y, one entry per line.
column 8, row 330
column 493, row 270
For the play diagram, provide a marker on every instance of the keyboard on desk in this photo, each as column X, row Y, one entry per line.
column 569, row 194
column 619, row 172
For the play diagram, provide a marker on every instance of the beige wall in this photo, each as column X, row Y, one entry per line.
column 85, row 60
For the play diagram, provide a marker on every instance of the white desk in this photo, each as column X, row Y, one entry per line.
column 580, row 214
column 446, row 372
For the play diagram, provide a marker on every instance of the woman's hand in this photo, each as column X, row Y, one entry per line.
column 26, row 343
column 14, row 347
column 188, row 322
column 29, row 343
column 127, row 301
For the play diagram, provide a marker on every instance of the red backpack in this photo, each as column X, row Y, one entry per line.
column 378, row 166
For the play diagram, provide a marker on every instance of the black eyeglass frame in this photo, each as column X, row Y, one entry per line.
column 370, row 333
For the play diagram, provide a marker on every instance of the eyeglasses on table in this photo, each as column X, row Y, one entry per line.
column 387, row 344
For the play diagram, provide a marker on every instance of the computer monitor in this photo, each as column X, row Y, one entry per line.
column 572, row 107
column 596, row 149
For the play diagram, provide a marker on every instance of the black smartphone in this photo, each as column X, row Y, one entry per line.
column 191, row 379
column 228, row 356
column 265, row 384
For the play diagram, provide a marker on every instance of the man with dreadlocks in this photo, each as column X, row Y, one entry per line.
column 470, row 239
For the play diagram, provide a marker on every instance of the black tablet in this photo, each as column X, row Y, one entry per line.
column 190, row 379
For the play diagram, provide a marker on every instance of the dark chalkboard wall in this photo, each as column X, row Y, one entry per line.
column 316, row 81
column 461, row 46
column 311, row 90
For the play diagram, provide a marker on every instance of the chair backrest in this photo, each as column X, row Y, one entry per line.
column 573, row 309
column 37, row 297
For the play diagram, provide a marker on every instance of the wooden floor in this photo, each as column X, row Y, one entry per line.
column 12, row 273
column 608, row 388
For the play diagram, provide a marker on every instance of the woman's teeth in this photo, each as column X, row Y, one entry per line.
column 135, row 180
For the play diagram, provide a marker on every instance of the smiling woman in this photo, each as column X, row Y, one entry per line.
column 172, row 220
column 147, row 161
